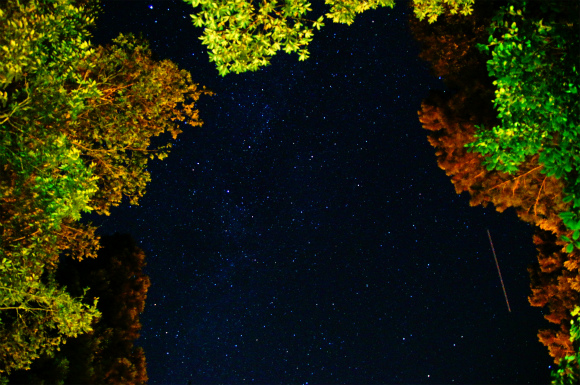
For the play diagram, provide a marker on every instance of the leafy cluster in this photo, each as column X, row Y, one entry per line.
column 40, row 35
column 243, row 36
column 106, row 354
column 454, row 120
column 76, row 125
column 568, row 371
column 32, row 311
column 138, row 99
column 535, row 64
column 555, row 285
column 344, row 11
column 44, row 183
column 432, row 9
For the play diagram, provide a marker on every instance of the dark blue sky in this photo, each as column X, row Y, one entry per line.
column 304, row 233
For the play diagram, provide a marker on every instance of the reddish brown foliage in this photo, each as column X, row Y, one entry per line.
column 536, row 198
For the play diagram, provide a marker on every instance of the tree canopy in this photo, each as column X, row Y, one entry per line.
column 106, row 354
column 535, row 64
column 469, row 129
column 43, row 179
column 76, row 125
column 243, row 35
column 137, row 99
column 568, row 371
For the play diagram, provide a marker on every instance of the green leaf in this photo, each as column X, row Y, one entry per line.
column 565, row 239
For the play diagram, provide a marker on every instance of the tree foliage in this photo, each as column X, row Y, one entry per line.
column 36, row 317
column 138, row 98
column 118, row 279
column 432, row 9
column 243, row 35
column 454, row 120
column 535, row 63
column 107, row 354
column 568, row 371
column 76, row 125
column 537, row 199
column 450, row 46
column 43, row 180
column 40, row 35
column 555, row 284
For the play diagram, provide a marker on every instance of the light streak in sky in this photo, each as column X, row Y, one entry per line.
column 499, row 272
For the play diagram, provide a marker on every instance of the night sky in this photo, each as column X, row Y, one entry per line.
column 305, row 234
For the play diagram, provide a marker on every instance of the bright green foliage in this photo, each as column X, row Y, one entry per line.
column 572, row 220
column 76, row 124
column 44, row 183
column 568, row 372
column 36, row 317
column 535, row 63
column 32, row 34
column 344, row 11
column 39, row 35
column 43, row 179
column 243, row 36
column 60, row 183
column 107, row 355
column 432, row 9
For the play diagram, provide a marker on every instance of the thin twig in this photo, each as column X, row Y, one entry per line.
column 538, row 197
column 517, row 177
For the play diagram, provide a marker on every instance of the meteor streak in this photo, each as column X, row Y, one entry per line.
column 499, row 272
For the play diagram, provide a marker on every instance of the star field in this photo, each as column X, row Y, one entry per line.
column 304, row 233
